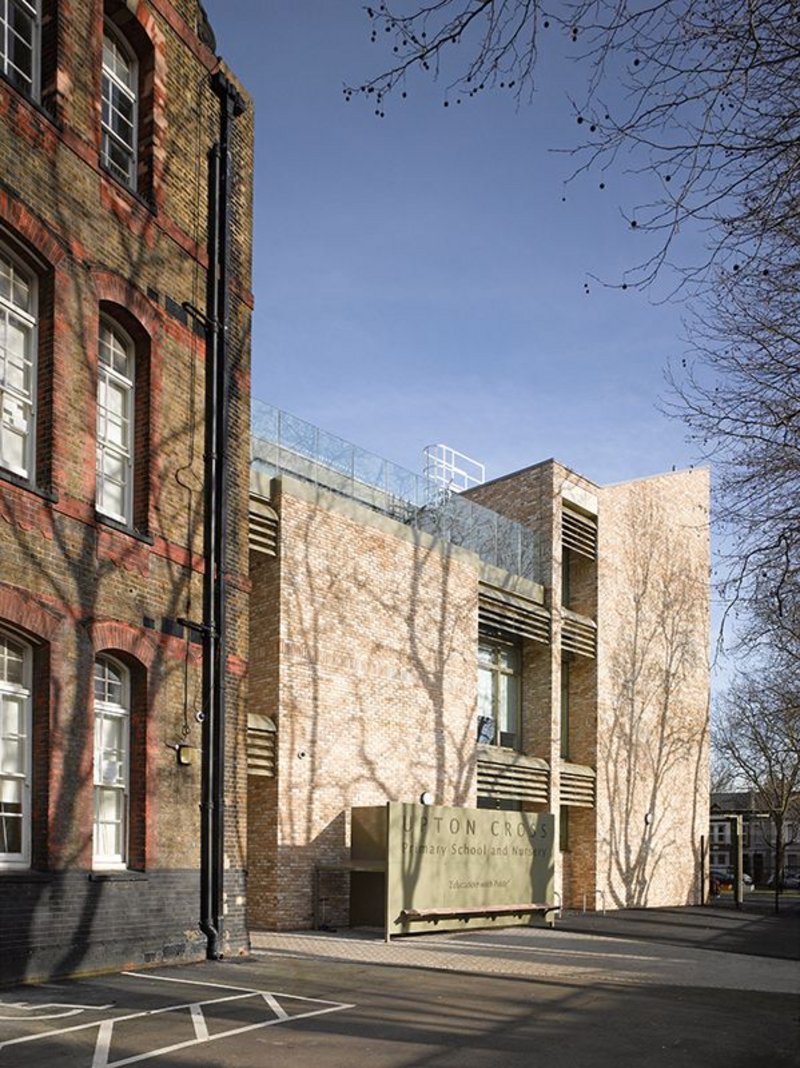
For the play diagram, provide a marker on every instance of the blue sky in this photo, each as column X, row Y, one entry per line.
column 419, row 278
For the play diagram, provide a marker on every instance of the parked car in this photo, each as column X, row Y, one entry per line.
column 725, row 879
column 789, row 881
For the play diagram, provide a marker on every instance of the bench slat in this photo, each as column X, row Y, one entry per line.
column 486, row 910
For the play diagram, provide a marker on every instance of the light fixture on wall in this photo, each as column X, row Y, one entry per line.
column 648, row 818
column 184, row 753
column 426, row 798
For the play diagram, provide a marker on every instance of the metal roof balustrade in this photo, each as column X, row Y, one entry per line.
column 285, row 444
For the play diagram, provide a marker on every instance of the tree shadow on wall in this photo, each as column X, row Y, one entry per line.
column 81, row 586
column 379, row 633
column 651, row 755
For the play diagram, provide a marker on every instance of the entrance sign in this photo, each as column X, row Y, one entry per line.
column 454, row 862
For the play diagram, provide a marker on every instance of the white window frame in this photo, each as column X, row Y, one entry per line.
column 497, row 670
column 22, row 692
column 29, row 318
column 105, row 710
column 116, row 85
column 107, row 375
column 32, row 9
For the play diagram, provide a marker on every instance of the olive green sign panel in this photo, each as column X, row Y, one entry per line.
column 442, row 858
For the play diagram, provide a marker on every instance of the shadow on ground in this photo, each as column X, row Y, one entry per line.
column 754, row 930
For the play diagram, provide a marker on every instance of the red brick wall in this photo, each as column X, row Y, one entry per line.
column 68, row 583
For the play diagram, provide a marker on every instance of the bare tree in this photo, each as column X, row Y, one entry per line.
column 741, row 400
column 704, row 97
column 758, row 737
column 700, row 99
column 722, row 777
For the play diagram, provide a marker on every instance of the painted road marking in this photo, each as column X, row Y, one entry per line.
column 274, row 1002
column 276, row 1008
column 103, row 1043
column 69, row 1009
column 199, row 1021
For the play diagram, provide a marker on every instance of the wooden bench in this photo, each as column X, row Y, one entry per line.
column 466, row 912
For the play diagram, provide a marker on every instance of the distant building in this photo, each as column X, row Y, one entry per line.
column 107, row 115
column 758, row 835
column 538, row 643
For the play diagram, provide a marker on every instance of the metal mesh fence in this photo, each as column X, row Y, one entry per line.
column 284, row 443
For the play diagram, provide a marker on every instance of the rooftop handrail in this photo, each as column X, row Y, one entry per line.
column 285, row 443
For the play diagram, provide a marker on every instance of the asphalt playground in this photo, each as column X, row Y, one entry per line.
column 659, row 988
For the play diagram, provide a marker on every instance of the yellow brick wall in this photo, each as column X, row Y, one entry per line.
column 653, row 688
column 374, row 690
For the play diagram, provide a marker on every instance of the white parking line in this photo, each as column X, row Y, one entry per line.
column 199, row 1021
column 33, row 1007
column 276, row 1008
column 105, row 1028
column 213, row 1038
column 114, row 1020
column 103, row 1044
column 224, row 986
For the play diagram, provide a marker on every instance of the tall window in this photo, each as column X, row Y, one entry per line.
column 119, row 119
column 17, row 366
column 111, row 762
column 15, row 752
column 19, row 43
column 115, row 412
column 498, row 694
column 565, row 709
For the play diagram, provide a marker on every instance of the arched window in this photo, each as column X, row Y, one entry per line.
column 20, row 53
column 120, row 105
column 15, row 752
column 112, row 703
column 18, row 298
column 115, row 421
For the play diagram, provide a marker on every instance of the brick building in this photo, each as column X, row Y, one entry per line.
column 538, row 643
column 109, row 205
column 758, row 836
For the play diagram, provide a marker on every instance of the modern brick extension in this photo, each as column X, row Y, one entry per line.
column 365, row 636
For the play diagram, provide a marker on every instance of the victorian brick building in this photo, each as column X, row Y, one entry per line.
column 536, row 644
column 114, row 203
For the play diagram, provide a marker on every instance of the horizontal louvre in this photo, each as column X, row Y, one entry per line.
column 579, row 532
column 261, row 734
column 514, row 616
column 578, row 636
column 263, row 528
column 523, row 780
column 577, row 785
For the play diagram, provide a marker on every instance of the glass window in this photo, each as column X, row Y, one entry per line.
column 17, row 366
column 118, row 150
column 111, row 762
column 115, row 400
column 498, row 694
column 19, row 43
column 565, row 709
column 15, row 752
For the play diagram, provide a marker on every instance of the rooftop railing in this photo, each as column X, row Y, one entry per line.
column 283, row 443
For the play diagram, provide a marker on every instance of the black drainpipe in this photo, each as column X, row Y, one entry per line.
column 212, row 808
